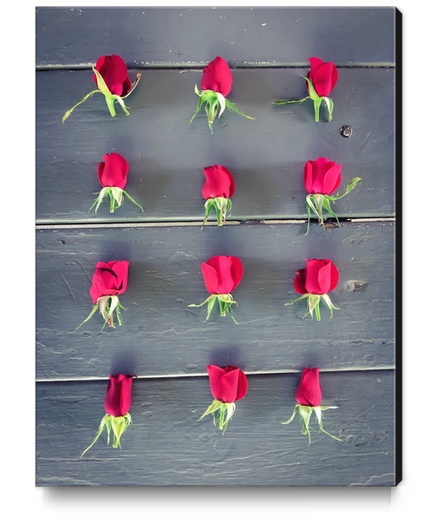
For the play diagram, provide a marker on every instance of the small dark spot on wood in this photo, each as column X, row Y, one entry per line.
column 346, row 131
column 63, row 242
column 330, row 225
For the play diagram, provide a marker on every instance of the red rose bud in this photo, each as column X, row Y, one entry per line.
column 228, row 385
column 314, row 283
column 111, row 78
column 113, row 177
column 217, row 77
column 324, row 76
column 308, row 397
column 109, row 281
column 113, row 71
column 309, row 392
column 117, row 405
column 118, row 395
column 222, row 275
column 218, row 187
column 216, row 84
column 321, row 178
column 320, row 81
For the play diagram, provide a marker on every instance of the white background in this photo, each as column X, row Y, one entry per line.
column 17, row 391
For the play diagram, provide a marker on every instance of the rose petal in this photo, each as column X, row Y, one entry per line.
column 210, row 278
column 312, row 284
column 114, row 171
column 223, row 267
column 219, row 182
column 325, row 78
column 118, row 395
column 237, row 271
column 113, row 69
column 299, row 282
column 324, row 278
column 227, row 387
column 109, row 279
column 126, row 395
column 309, row 392
column 308, row 177
column 215, row 374
column 242, row 385
column 217, row 77
column 331, row 180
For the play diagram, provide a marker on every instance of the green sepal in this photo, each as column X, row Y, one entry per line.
column 90, row 315
column 225, row 304
column 330, row 106
column 212, row 103
column 115, row 198
column 292, row 417
column 214, row 100
column 315, row 202
column 118, row 426
column 69, row 112
column 109, row 97
column 283, row 102
column 221, row 206
column 213, row 407
column 133, row 200
column 317, row 100
column 305, row 413
column 232, row 107
column 225, row 413
column 331, row 306
column 318, row 412
column 313, row 304
column 107, row 305
column 349, row 188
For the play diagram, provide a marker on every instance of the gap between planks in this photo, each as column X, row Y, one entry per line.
column 91, row 225
column 251, row 373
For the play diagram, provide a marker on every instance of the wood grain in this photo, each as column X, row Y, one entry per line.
column 161, row 335
column 183, row 36
column 166, row 445
column 167, row 154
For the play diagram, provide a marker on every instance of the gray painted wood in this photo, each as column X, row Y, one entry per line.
column 183, row 36
column 162, row 336
column 162, row 340
column 166, row 445
column 167, row 154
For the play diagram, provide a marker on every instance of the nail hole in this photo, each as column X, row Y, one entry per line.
column 63, row 242
column 356, row 286
column 346, row 131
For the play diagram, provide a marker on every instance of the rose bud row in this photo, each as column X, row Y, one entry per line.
column 117, row 405
column 113, row 177
column 109, row 281
column 321, row 178
column 228, row 385
column 216, row 84
column 314, row 282
column 112, row 80
column 221, row 274
column 217, row 190
column 320, row 81
column 308, row 397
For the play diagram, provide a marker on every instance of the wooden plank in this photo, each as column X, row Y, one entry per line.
column 243, row 36
column 162, row 336
column 166, row 445
column 167, row 154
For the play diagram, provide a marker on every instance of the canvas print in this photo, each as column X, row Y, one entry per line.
column 216, row 246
